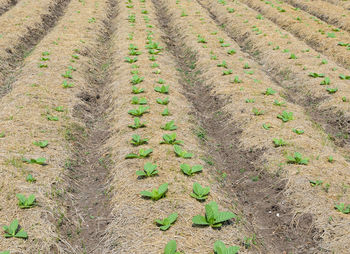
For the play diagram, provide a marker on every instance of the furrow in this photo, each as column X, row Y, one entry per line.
column 6, row 5
column 275, row 193
column 344, row 4
column 41, row 107
column 32, row 21
column 273, row 48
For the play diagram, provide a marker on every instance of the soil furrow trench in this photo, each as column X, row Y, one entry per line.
column 14, row 54
column 274, row 234
column 88, row 207
column 333, row 119
column 7, row 6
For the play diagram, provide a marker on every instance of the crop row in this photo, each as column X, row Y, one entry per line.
column 36, row 126
column 290, row 141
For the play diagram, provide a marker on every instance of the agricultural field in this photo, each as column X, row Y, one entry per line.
column 174, row 126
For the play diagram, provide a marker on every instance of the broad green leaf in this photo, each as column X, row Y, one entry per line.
column 171, row 247
column 199, row 220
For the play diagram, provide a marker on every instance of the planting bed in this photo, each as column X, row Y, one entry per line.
column 174, row 126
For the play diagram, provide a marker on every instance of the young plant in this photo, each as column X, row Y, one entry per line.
column 344, row 77
column 143, row 153
column 137, row 124
column 279, row 142
column 161, row 81
column 171, row 247
column 182, row 153
column 39, row 161
column 15, row 231
column 137, row 140
column 136, row 90
column 139, row 111
column 293, row 56
column 269, row 91
column 131, row 60
column 315, row 182
column 165, row 112
column 24, row 202
column 51, row 118
column 223, row 64
column 297, row 159
column 326, row 81
column 220, row 248
column 41, row 144
column 163, row 89
column 236, row 80
column 67, row 74
column 166, row 223
column 170, row 139
column 188, row 170
column 298, row 131
column 136, row 79
column 201, row 39
column 258, row 112
column 316, row 75
column 59, row 109
column 231, row 51
column 156, row 194
column 285, row 116
column 266, row 126
column 200, row 193
column 213, row 217
column 138, row 101
column 149, row 170
column 342, row 208
column 279, row 103
column 331, row 90
column 227, row 72
column 65, row 84
column 169, row 126
column 164, row 101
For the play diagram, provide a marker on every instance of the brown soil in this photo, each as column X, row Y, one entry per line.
column 7, row 5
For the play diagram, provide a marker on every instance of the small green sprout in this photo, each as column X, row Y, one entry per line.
column 156, row 194
column 15, row 231
column 166, row 223
column 200, row 193
column 297, row 159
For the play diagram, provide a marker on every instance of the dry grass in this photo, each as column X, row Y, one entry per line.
column 23, row 118
column 313, row 144
column 132, row 229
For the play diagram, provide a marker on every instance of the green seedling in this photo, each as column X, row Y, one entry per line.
column 246, row 66
column 227, row 72
column 220, row 248
column 136, row 79
column 266, row 126
column 59, row 109
column 315, row 183
column 45, row 58
column 249, row 100
column 188, row 170
column 331, row 90
column 297, row 159
column 42, row 143
column 15, row 231
column 331, row 35
column 285, row 116
column 230, row 10
column 143, row 153
column 131, row 60
column 133, row 52
column 201, row 39
column 51, row 118
column 24, row 202
column 67, row 74
column 156, row 194
column 258, row 112
column 139, row 101
column 342, row 208
column 221, row 40
column 45, row 53
column 2, row 135
column 326, row 81
column 92, row 20
column 236, row 80
column 171, row 247
column 164, row 101
column 65, row 84
column 279, row 103
column 182, row 153
column 137, row 140
column 41, row 65
column 169, row 126
column 136, row 90
column 72, row 68
column 330, row 159
column 154, row 65
column 166, row 223
column 225, row 45
column 132, row 47
column 161, row 81
column 39, row 161
column 30, row 178
column 344, row 99
column 293, row 56
column 5, row 251
column 132, row 18
column 316, row 75
column 324, row 61
column 170, row 139
column 137, row 124
column 213, row 217
column 163, row 89
column 231, row 51
column 200, row 193
column 279, row 142
column 298, row 131
column 149, row 170
column 269, row 91
column 154, row 45
column 183, row 13
column 344, row 77
column 139, row 111
column 165, row 112
column 223, row 64
column 152, row 58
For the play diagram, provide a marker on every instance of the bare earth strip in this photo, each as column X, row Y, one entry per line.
column 21, row 29
column 273, row 47
column 307, row 28
column 311, row 207
column 330, row 13
column 28, row 114
column 344, row 3
column 6, row 5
